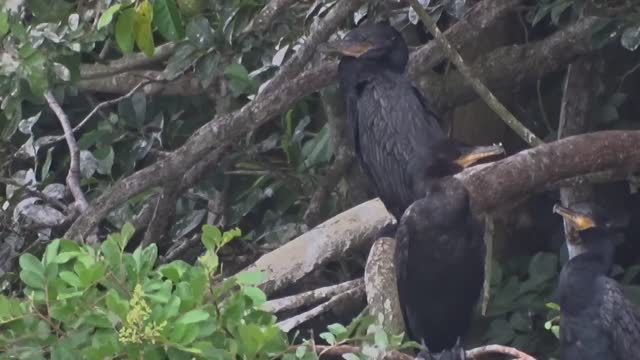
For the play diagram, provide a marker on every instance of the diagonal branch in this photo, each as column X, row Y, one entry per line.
column 477, row 85
column 73, row 177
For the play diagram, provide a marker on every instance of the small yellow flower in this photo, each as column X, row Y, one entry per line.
column 136, row 329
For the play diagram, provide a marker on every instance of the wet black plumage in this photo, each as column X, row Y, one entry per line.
column 393, row 126
column 407, row 157
column 440, row 262
column 389, row 118
column 597, row 321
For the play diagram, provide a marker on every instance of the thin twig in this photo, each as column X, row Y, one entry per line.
column 73, row 177
column 477, row 85
column 98, row 107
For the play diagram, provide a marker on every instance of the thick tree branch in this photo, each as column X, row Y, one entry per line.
column 472, row 79
column 575, row 116
column 73, row 177
column 381, row 285
column 479, row 18
column 513, row 66
column 490, row 187
column 502, row 181
column 341, row 11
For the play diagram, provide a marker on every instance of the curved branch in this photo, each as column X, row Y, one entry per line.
column 527, row 171
column 73, row 177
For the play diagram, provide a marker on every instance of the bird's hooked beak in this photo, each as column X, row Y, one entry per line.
column 478, row 153
column 346, row 47
column 575, row 219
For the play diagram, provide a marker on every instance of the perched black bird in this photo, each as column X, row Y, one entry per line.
column 394, row 129
column 596, row 320
column 440, row 263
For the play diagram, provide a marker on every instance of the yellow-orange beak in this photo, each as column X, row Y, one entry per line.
column 479, row 153
column 346, row 47
column 577, row 220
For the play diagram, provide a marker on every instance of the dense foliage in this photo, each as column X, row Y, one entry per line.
column 198, row 59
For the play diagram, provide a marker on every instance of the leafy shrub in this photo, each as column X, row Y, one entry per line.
column 84, row 302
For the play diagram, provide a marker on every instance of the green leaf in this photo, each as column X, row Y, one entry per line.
column 116, row 304
column 70, row 278
column 207, row 68
column 251, row 277
column 251, row 339
column 51, row 252
column 31, row 263
column 256, row 295
column 328, row 337
column 126, row 234
column 240, row 82
column 193, row 316
column 199, row 33
column 183, row 57
column 350, row 356
column 143, row 31
column 107, row 16
column 33, row 279
column 167, row 19
column 337, row 329
column 4, row 23
column 211, row 237
column 34, row 64
column 381, row 339
column 125, row 35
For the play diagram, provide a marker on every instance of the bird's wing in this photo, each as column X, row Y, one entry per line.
column 395, row 128
column 620, row 318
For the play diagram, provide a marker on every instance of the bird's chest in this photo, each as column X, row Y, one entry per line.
column 581, row 337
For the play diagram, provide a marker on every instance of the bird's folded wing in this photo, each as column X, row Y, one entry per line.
column 621, row 319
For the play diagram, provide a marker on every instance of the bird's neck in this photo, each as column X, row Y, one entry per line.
column 578, row 280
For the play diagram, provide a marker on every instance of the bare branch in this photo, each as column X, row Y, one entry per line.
column 163, row 214
column 493, row 185
column 381, row 285
column 99, row 107
column 352, row 229
column 482, row 16
column 128, row 63
column 514, row 65
column 482, row 351
column 575, row 117
column 339, row 300
column 477, row 85
column 73, row 177
column 309, row 297
column 261, row 22
column 341, row 11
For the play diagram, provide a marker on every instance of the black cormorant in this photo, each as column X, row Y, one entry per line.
column 596, row 320
column 440, row 263
column 393, row 126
